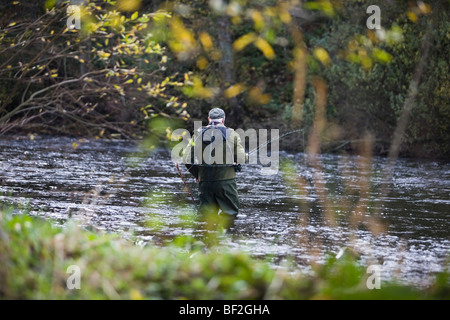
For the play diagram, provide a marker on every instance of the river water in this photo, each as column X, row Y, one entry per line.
column 113, row 186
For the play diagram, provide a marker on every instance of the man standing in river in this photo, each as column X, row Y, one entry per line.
column 213, row 156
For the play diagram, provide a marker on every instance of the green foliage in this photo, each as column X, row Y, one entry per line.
column 35, row 257
column 368, row 88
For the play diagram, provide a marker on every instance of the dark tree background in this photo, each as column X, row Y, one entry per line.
column 133, row 61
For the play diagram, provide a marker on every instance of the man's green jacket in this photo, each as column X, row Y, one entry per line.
column 212, row 153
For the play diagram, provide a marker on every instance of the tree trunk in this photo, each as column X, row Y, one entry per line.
column 226, row 67
column 85, row 54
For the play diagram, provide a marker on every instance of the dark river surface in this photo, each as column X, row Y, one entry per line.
column 113, row 186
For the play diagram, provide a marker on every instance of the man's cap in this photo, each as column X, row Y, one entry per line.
column 216, row 113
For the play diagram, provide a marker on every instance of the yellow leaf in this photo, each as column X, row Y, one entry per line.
column 206, row 41
column 256, row 96
column 236, row 20
column 128, row 5
column 202, row 63
column 258, row 20
column 412, row 16
column 128, row 81
column 168, row 134
column 424, row 8
column 202, row 92
column 244, row 41
column 234, row 90
column 184, row 41
column 382, row 55
column 322, row 55
column 270, row 11
column 265, row 47
column 12, row 24
column 117, row 87
column 366, row 62
column 285, row 16
column 103, row 55
column 134, row 15
column 216, row 55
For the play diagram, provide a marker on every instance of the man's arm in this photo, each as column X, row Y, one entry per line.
column 240, row 156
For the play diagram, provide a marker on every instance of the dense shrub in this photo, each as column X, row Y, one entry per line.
column 35, row 257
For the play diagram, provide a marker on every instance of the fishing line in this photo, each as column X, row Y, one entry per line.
column 275, row 139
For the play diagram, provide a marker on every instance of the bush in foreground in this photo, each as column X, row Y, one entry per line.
column 35, row 257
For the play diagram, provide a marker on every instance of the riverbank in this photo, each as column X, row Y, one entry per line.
column 294, row 142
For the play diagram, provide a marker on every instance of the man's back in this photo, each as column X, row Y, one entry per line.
column 214, row 151
column 211, row 156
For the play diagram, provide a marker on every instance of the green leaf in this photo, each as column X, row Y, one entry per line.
column 382, row 56
column 143, row 19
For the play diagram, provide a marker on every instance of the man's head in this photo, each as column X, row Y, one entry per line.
column 216, row 116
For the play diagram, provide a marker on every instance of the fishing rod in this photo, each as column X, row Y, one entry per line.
column 185, row 184
column 275, row 139
column 236, row 166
